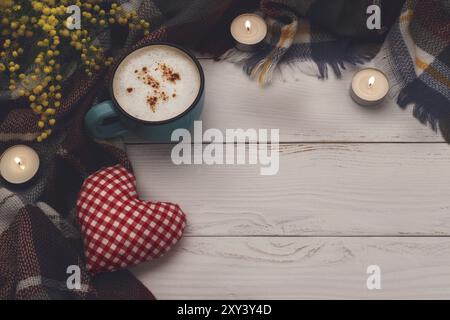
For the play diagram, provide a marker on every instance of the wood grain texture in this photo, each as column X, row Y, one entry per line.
column 333, row 209
column 296, row 268
column 304, row 108
column 321, row 189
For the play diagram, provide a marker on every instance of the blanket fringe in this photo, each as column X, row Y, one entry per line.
column 263, row 71
column 236, row 56
column 258, row 68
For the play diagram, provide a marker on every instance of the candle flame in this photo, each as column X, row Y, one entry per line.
column 18, row 161
column 371, row 81
column 248, row 25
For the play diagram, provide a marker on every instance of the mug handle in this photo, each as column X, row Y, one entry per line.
column 95, row 117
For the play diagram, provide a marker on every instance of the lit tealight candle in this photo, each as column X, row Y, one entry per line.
column 369, row 87
column 19, row 164
column 248, row 30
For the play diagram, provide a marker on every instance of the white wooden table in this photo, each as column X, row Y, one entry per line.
column 355, row 188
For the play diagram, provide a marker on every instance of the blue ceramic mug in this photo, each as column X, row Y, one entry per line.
column 109, row 119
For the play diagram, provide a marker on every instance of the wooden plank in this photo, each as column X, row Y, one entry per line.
column 300, row 268
column 304, row 108
column 320, row 189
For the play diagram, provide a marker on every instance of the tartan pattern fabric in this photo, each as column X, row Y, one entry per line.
column 416, row 57
column 31, row 268
column 313, row 36
column 119, row 229
column 37, row 245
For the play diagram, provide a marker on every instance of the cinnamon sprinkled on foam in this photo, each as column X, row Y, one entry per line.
column 167, row 74
column 152, row 102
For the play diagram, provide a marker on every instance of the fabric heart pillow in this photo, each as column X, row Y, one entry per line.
column 119, row 229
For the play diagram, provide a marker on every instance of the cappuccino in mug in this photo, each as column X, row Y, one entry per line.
column 155, row 90
column 156, row 83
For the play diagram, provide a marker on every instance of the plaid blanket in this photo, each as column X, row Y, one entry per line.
column 39, row 237
column 315, row 35
column 416, row 57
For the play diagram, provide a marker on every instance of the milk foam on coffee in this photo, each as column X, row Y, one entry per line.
column 156, row 83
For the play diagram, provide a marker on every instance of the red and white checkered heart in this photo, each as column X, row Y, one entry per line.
column 119, row 229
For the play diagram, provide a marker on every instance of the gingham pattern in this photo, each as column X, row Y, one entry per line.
column 119, row 229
